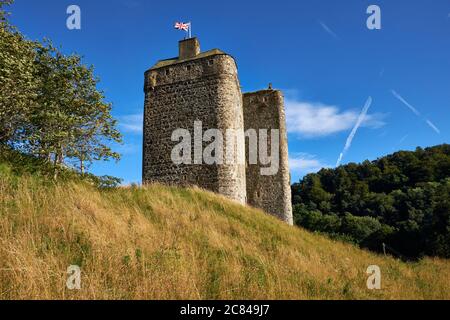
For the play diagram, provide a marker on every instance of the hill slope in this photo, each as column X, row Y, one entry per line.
column 169, row 243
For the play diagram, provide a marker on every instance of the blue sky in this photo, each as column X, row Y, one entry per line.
column 319, row 52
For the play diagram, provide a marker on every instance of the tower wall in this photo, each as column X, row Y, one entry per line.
column 204, row 88
column 271, row 193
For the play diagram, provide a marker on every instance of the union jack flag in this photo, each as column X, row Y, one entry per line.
column 182, row 26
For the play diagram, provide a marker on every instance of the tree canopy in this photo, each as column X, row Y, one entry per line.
column 401, row 200
column 50, row 106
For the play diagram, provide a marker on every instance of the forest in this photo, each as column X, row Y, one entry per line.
column 398, row 204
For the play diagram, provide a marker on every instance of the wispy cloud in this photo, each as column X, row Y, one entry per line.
column 132, row 123
column 304, row 163
column 416, row 112
column 350, row 138
column 311, row 120
column 328, row 30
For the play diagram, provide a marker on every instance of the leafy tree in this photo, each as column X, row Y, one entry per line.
column 75, row 122
column 50, row 106
column 401, row 200
column 18, row 86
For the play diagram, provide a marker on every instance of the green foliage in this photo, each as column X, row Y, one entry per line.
column 18, row 86
column 3, row 14
column 50, row 106
column 401, row 200
column 14, row 165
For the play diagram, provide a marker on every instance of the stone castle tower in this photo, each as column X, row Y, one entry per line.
column 272, row 193
column 204, row 86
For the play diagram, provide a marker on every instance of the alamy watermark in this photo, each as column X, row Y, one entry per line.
column 374, row 20
column 374, row 280
column 73, row 22
column 74, row 280
column 229, row 152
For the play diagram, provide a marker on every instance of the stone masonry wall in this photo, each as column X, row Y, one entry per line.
column 265, row 110
column 205, row 89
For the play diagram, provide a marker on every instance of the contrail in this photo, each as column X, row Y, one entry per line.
column 361, row 118
column 328, row 30
column 400, row 141
column 415, row 111
column 399, row 97
column 403, row 139
column 431, row 124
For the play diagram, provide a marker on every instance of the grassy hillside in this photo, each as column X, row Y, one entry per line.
column 169, row 243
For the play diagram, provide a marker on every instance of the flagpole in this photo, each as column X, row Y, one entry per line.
column 190, row 29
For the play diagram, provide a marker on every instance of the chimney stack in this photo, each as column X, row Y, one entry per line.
column 189, row 48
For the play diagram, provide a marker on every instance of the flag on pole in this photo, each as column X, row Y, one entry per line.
column 183, row 26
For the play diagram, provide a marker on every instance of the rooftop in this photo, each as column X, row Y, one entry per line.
column 176, row 60
column 264, row 91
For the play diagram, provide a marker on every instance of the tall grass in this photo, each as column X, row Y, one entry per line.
column 168, row 243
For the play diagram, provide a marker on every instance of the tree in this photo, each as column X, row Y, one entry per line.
column 74, row 122
column 3, row 13
column 18, row 86
column 402, row 200
column 50, row 106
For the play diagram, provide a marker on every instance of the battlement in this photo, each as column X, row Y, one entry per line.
column 176, row 60
column 211, row 63
column 189, row 50
column 268, row 98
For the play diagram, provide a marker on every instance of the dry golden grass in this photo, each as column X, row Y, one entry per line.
column 168, row 243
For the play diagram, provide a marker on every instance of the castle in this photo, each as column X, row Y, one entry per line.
column 204, row 86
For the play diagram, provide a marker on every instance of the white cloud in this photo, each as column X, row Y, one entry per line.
column 304, row 163
column 132, row 123
column 310, row 120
